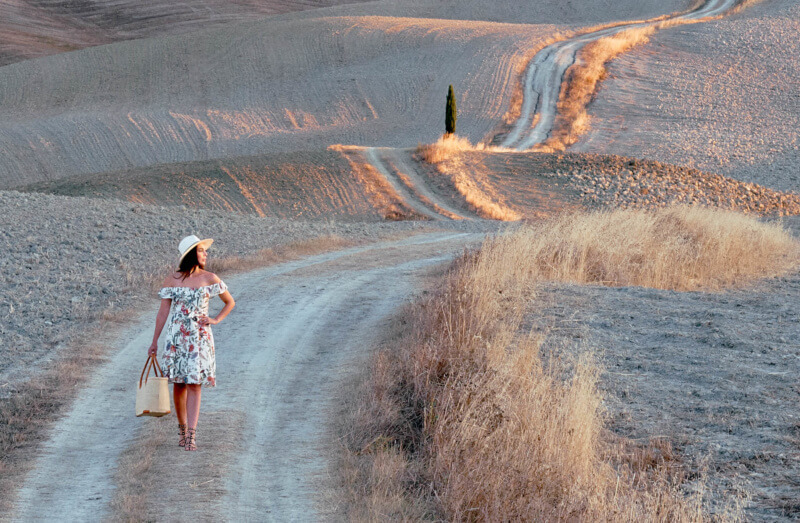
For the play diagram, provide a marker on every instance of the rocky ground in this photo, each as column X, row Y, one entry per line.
column 643, row 184
column 611, row 181
column 66, row 260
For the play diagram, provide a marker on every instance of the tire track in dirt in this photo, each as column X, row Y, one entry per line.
column 405, row 163
column 546, row 73
column 393, row 165
column 296, row 331
column 313, row 334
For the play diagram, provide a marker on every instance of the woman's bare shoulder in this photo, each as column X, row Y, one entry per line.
column 173, row 279
column 170, row 280
column 197, row 280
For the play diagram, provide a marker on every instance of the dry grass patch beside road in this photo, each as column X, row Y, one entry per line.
column 445, row 148
column 157, row 480
column 679, row 248
column 466, row 417
column 28, row 413
column 581, row 83
column 477, row 191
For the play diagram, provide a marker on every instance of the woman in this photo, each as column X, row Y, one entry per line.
column 188, row 355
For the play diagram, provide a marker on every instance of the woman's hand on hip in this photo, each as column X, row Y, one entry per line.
column 205, row 320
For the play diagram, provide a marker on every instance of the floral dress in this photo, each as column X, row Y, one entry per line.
column 188, row 355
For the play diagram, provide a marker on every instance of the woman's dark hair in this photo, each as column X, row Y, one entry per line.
column 188, row 263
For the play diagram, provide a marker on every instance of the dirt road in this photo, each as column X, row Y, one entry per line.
column 546, row 73
column 397, row 167
column 297, row 329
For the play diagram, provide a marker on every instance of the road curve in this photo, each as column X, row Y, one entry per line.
column 296, row 331
column 546, row 72
column 409, row 185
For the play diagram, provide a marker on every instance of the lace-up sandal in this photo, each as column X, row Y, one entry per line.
column 182, row 434
column 190, row 440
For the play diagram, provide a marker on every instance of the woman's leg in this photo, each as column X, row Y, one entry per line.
column 179, row 397
column 193, row 404
column 192, row 413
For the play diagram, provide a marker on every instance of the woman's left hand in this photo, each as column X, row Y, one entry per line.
column 205, row 320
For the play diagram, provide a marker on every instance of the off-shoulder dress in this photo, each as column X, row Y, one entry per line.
column 188, row 352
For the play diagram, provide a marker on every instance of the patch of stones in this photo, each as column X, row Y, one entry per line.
column 629, row 183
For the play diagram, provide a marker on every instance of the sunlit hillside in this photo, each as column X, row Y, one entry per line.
column 356, row 74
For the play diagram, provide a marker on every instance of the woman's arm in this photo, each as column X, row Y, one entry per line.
column 161, row 319
column 229, row 304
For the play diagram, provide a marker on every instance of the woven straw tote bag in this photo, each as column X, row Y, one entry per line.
column 152, row 393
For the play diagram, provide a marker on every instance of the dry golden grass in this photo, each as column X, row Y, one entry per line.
column 446, row 155
column 582, row 78
column 445, row 148
column 743, row 5
column 681, row 248
column 27, row 414
column 373, row 478
column 134, row 477
column 467, row 418
column 515, row 103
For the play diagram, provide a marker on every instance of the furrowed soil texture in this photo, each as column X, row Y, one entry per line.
column 301, row 186
column 721, row 96
column 712, row 374
column 369, row 74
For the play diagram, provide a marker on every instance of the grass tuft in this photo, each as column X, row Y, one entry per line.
column 445, row 148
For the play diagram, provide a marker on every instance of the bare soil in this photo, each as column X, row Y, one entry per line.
column 31, row 28
column 721, row 96
column 248, row 88
column 714, row 374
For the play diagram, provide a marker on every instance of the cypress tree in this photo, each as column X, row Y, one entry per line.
column 450, row 113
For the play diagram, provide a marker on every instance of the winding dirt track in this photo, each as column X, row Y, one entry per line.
column 546, row 72
column 396, row 166
column 298, row 329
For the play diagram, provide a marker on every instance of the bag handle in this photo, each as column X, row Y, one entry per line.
column 152, row 363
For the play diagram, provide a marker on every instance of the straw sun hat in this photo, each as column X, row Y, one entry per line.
column 189, row 243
